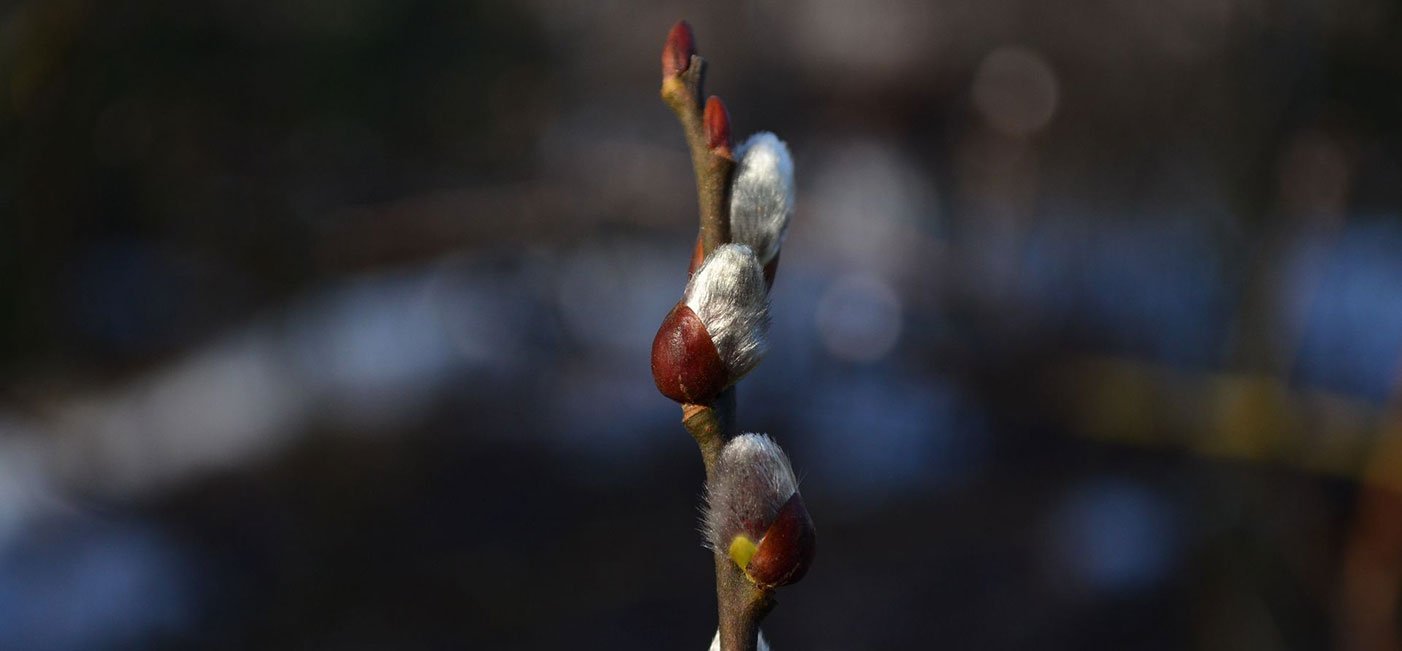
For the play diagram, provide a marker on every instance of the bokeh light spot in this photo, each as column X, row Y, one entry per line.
column 859, row 318
column 1016, row 91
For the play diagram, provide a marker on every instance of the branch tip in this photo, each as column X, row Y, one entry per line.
column 678, row 50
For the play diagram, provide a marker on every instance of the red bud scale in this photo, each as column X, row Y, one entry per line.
column 717, row 120
column 685, row 364
column 787, row 549
column 677, row 52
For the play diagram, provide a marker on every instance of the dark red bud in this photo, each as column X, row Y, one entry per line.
column 685, row 364
column 698, row 255
column 787, row 549
column 717, row 126
column 677, row 53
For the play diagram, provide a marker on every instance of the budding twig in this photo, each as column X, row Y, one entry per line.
column 682, row 92
column 715, row 335
column 741, row 604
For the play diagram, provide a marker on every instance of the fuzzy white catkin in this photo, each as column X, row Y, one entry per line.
column 752, row 481
column 762, row 195
column 727, row 293
column 715, row 642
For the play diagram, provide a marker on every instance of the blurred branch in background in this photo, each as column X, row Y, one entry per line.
column 1253, row 419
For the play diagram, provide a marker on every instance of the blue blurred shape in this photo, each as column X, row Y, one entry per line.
column 1345, row 299
column 876, row 436
column 1153, row 287
column 1114, row 535
column 82, row 584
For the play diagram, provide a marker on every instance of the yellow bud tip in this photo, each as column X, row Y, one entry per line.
column 741, row 549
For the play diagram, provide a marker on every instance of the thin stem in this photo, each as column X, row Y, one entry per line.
column 742, row 607
column 704, row 425
column 740, row 603
column 683, row 94
column 711, row 425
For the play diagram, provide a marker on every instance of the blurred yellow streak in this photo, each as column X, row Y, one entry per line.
column 1248, row 417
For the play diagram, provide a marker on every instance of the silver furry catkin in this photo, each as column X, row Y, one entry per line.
column 728, row 294
column 763, row 644
column 762, row 195
column 752, row 482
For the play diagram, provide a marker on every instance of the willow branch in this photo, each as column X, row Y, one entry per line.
column 741, row 604
column 684, row 94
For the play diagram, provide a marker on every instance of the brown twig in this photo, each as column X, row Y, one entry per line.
column 711, row 425
column 740, row 603
column 683, row 94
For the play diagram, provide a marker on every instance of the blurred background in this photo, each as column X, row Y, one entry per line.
column 326, row 323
